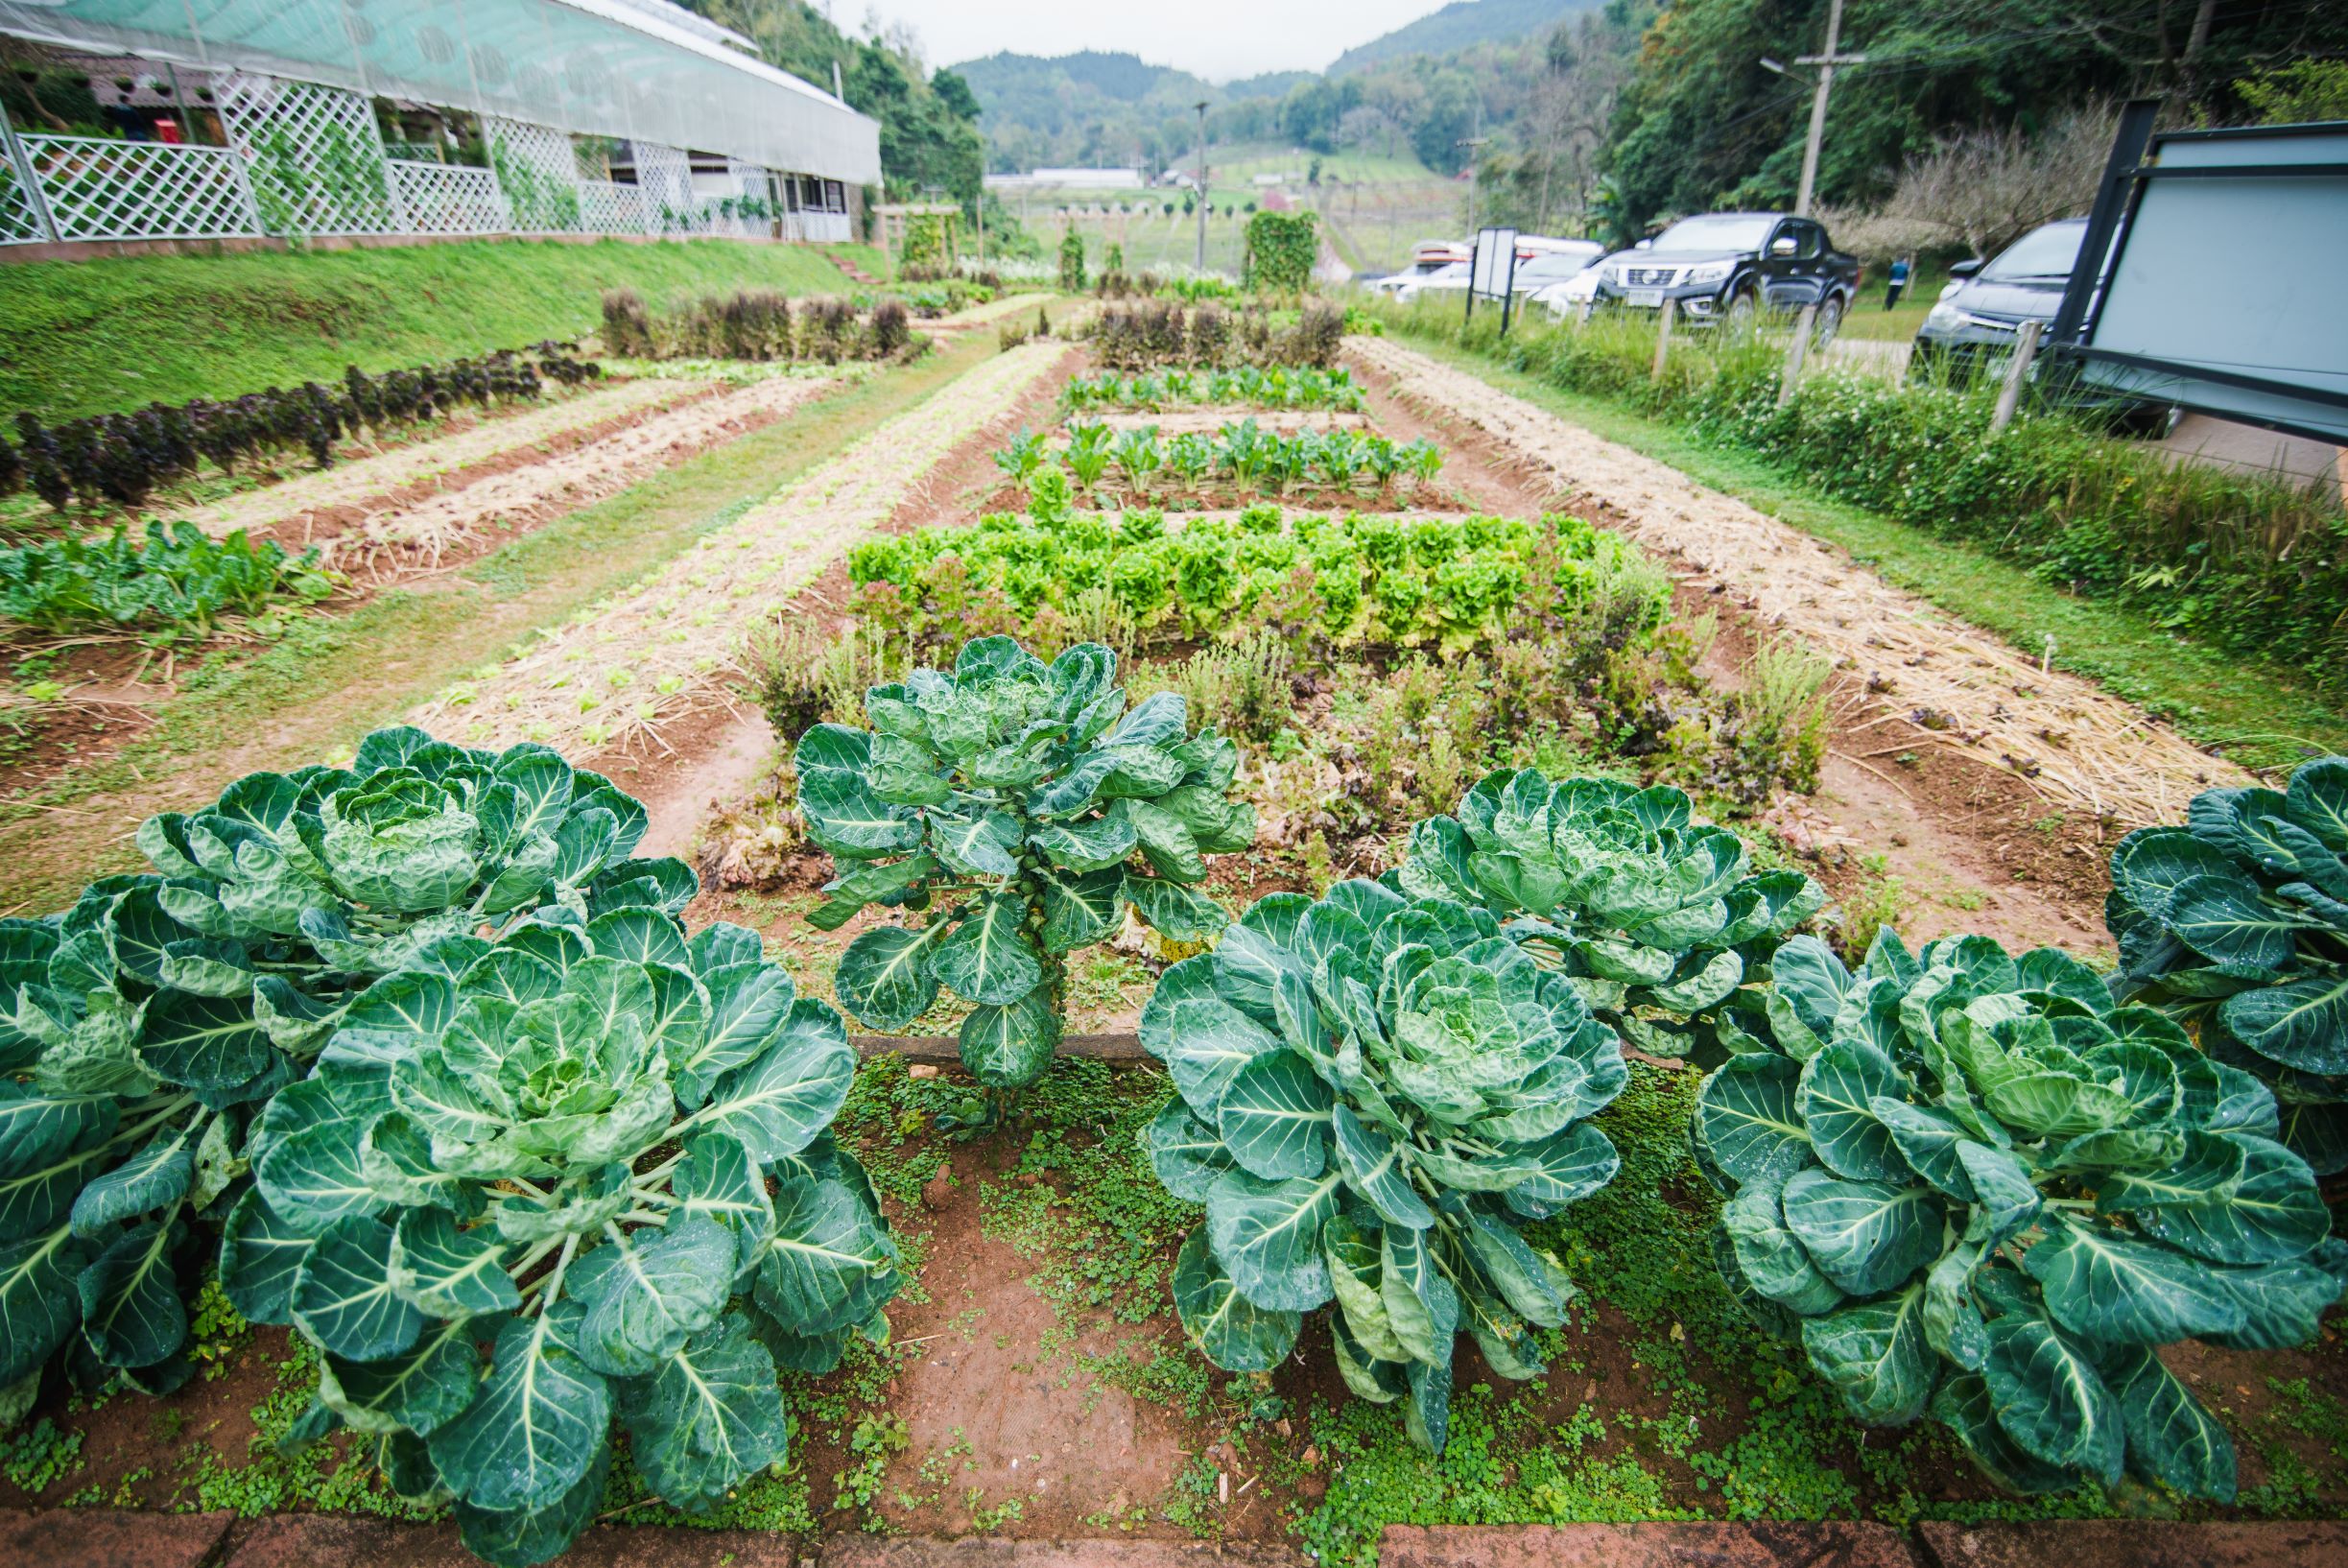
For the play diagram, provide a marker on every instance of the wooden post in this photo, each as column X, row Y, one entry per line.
column 1796, row 352
column 1663, row 337
column 2010, row 395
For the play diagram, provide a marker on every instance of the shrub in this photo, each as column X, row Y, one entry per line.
column 1657, row 920
column 1007, row 800
column 152, row 1020
column 563, row 1144
column 628, row 326
column 892, row 329
column 1072, row 261
column 2238, row 923
column 1376, row 1093
column 1971, row 1187
column 179, row 579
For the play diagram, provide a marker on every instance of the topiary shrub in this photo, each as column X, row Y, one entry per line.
column 147, row 1027
column 1972, row 1188
column 1007, row 800
column 1376, row 1094
column 2238, row 923
column 597, row 1152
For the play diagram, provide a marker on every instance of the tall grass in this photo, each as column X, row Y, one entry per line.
column 2247, row 562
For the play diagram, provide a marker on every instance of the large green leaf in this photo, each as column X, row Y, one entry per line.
column 2172, row 1438
column 1088, row 844
column 260, row 1258
column 538, row 1425
column 1009, row 1047
column 1965, row 1404
column 1186, row 1154
column 843, row 815
column 1769, row 1257
column 1875, row 1356
column 2108, row 1287
column 418, row 1391
column 1746, row 1114
column 1202, row 1039
column 343, row 1299
column 1080, row 909
column 447, row 1272
column 718, row 1181
column 2229, row 921
column 132, row 1314
column 988, row 957
column 40, row 1303
column 828, row 1259
column 1275, row 1118
column 2301, row 1024
column 1183, row 913
column 776, row 1104
column 1267, row 1236
column 522, row 1538
column 1373, row 1166
column 663, row 1287
column 2275, row 1214
column 204, row 1042
column 749, row 1003
column 1836, row 1098
column 1422, row 1303
column 2051, row 1400
column 157, row 1175
column 1865, row 1236
column 1233, row 1332
column 708, row 1417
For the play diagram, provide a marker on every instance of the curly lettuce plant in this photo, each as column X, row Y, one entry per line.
column 2238, row 921
column 1659, row 922
column 1008, row 801
column 597, row 1150
column 1376, row 1094
column 1971, row 1187
column 141, row 1031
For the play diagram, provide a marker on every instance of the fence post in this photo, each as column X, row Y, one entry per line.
column 1663, row 337
column 2010, row 395
column 1796, row 351
column 22, row 162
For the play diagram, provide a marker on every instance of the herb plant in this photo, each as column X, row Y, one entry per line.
column 178, row 580
column 1376, row 1094
column 601, row 1152
column 146, row 1027
column 1008, row 801
column 1657, row 920
column 2239, row 922
column 1974, row 1188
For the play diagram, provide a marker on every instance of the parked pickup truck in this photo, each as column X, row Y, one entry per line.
column 1726, row 265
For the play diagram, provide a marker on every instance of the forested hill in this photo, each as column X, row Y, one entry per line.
column 1457, row 26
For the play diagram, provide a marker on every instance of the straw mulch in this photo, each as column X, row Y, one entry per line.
column 642, row 658
column 1909, row 672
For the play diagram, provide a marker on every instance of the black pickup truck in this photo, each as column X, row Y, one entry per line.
column 1726, row 265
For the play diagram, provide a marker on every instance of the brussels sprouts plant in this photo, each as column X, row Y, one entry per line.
column 1657, row 922
column 1008, row 801
column 2239, row 922
column 1971, row 1187
column 1376, row 1093
column 599, row 1152
column 141, row 1030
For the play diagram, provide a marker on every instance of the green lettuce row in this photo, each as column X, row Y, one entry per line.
column 599, row 1153
column 1972, row 1188
column 1658, row 921
column 1010, row 800
column 1376, row 1093
column 2238, row 921
column 1457, row 584
column 143, row 1031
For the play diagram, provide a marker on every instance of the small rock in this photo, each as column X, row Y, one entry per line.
column 1310, row 1456
column 938, row 1191
column 1027, row 1178
column 921, row 1069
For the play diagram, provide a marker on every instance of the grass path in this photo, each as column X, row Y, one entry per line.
column 330, row 678
column 2262, row 716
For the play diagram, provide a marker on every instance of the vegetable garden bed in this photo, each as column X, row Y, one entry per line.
column 1632, row 1193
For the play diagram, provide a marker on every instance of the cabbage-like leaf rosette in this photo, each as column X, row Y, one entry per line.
column 1376, row 1094
column 595, row 1153
column 142, row 1030
column 2238, row 923
column 1018, row 803
column 1660, row 922
column 1972, row 1188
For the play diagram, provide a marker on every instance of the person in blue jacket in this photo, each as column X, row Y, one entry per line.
column 1899, row 281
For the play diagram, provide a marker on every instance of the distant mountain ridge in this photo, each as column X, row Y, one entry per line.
column 1457, row 26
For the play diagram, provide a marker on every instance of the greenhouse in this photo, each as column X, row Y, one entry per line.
column 132, row 120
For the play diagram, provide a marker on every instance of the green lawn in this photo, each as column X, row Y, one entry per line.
column 2263, row 716
column 102, row 336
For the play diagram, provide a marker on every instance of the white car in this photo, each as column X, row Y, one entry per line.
column 1557, row 262
column 1450, row 278
column 1573, row 298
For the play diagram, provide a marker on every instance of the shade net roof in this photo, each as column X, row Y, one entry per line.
column 640, row 69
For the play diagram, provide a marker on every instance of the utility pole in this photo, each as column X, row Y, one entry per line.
column 1474, row 159
column 1200, row 106
column 1826, row 65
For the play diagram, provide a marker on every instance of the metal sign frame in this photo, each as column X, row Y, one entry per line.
column 1495, row 253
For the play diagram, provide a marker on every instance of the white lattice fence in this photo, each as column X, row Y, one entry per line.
column 18, row 221
column 607, row 207
column 312, row 155
column 99, row 189
column 448, row 199
column 665, row 177
column 538, row 171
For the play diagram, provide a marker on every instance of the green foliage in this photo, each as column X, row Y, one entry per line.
column 180, row 580
column 1008, row 799
column 1377, row 1093
column 1449, row 583
column 1657, row 920
column 559, row 1146
column 2304, row 90
column 1072, row 261
column 1282, row 248
column 2239, row 922
column 1248, row 456
column 1974, row 1188
column 146, row 1034
column 1276, row 388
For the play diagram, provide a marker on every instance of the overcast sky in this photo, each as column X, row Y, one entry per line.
column 1218, row 40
